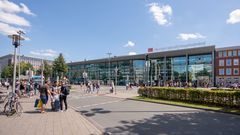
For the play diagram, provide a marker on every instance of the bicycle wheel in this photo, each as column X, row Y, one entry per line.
column 19, row 108
column 9, row 110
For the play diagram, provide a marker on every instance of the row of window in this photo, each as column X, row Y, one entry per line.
column 229, row 71
column 229, row 62
column 229, row 53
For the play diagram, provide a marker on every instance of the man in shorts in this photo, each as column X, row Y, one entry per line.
column 44, row 92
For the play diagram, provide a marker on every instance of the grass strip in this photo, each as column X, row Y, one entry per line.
column 191, row 105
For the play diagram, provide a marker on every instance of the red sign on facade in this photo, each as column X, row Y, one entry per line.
column 150, row 50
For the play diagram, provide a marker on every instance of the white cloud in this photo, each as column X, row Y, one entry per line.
column 11, row 7
column 6, row 29
column 46, row 53
column 234, row 17
column 10, row 18
column 187, row 36
column 132, row 53
column 161, row 13
column 129, row 44
column 10, row 22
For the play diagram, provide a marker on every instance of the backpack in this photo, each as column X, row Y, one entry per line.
column 65, row 90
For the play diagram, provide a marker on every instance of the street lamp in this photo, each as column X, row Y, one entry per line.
column 15, row 42
column 116, row 70
column 109, row 80
column 19, row 60
column 42, row 72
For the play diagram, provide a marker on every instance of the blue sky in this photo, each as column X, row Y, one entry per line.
column 89, row 29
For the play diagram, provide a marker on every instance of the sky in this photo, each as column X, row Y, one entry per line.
column 89, row 29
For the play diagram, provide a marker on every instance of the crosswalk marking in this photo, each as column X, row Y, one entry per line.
column 109, row 102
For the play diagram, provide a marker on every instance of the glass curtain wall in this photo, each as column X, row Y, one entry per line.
column 200, row 70
column 138, row 69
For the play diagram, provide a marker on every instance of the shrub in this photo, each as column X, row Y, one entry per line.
column 213, row 97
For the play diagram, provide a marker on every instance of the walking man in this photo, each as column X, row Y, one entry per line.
column 63, row 95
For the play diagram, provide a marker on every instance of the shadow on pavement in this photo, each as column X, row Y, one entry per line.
column 93, row 112
column 201, row 123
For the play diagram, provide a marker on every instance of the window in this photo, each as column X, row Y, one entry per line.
column 229, row 62
column 228, row 71
column 238, row 52
column 235, row 53
column 235, row 62
column 220, row 54
column 221, row 62
column 221, row 71
column 224, row 54
column 235, row 71
column 229, row 53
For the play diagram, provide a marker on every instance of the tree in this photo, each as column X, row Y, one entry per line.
column 47, row 70
column 24, row 67
column 59, row 66
column 7, row 72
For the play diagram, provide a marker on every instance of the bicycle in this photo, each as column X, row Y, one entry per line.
column 13, row 106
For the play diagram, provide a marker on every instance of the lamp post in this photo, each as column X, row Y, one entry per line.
column 15, row 42
column 109, row 72
column 42, row 72
column 19, row 57
column 116, row 70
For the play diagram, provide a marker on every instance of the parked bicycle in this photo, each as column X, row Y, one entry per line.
column 3, row 97
column 13, row 106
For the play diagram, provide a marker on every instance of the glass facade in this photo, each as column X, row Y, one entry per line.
column 200, row 69
column 158, row 71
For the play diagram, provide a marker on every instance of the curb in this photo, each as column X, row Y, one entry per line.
column 94, row 123
column 205, row 109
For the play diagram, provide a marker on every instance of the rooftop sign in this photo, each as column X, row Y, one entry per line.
column 178, row 47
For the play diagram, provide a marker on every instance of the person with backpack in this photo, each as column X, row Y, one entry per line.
column 64, row 92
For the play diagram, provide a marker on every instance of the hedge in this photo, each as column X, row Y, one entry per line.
column 202, row 96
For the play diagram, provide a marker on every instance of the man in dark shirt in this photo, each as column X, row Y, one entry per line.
column 44, row 92
column 63, row 95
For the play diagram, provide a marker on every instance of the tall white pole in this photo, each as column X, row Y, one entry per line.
column 14, row 69
column 42, row 72
column 19, row 63
column 19, row 60
column 109, row 72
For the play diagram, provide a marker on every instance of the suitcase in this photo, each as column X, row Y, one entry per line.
column 56, row 105
column 52, row 105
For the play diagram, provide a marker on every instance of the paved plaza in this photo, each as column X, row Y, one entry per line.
column 109, row 113
column 32, row 122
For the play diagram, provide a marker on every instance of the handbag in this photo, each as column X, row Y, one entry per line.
column 40, row 103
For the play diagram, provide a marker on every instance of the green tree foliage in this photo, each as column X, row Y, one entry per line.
column 7, row 72
column 47, row 70
column 24, row 67
column 59, row 66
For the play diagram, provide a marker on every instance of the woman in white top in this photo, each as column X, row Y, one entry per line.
column 55, row 91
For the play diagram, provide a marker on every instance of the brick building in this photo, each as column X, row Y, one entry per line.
column 227, row 65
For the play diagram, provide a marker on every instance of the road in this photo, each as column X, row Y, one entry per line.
column 121, row 116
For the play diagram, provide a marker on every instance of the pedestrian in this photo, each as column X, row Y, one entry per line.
column 7, row 85
column 63, row 96
column 44, row 92
column 35, row 88
column 55, row 101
